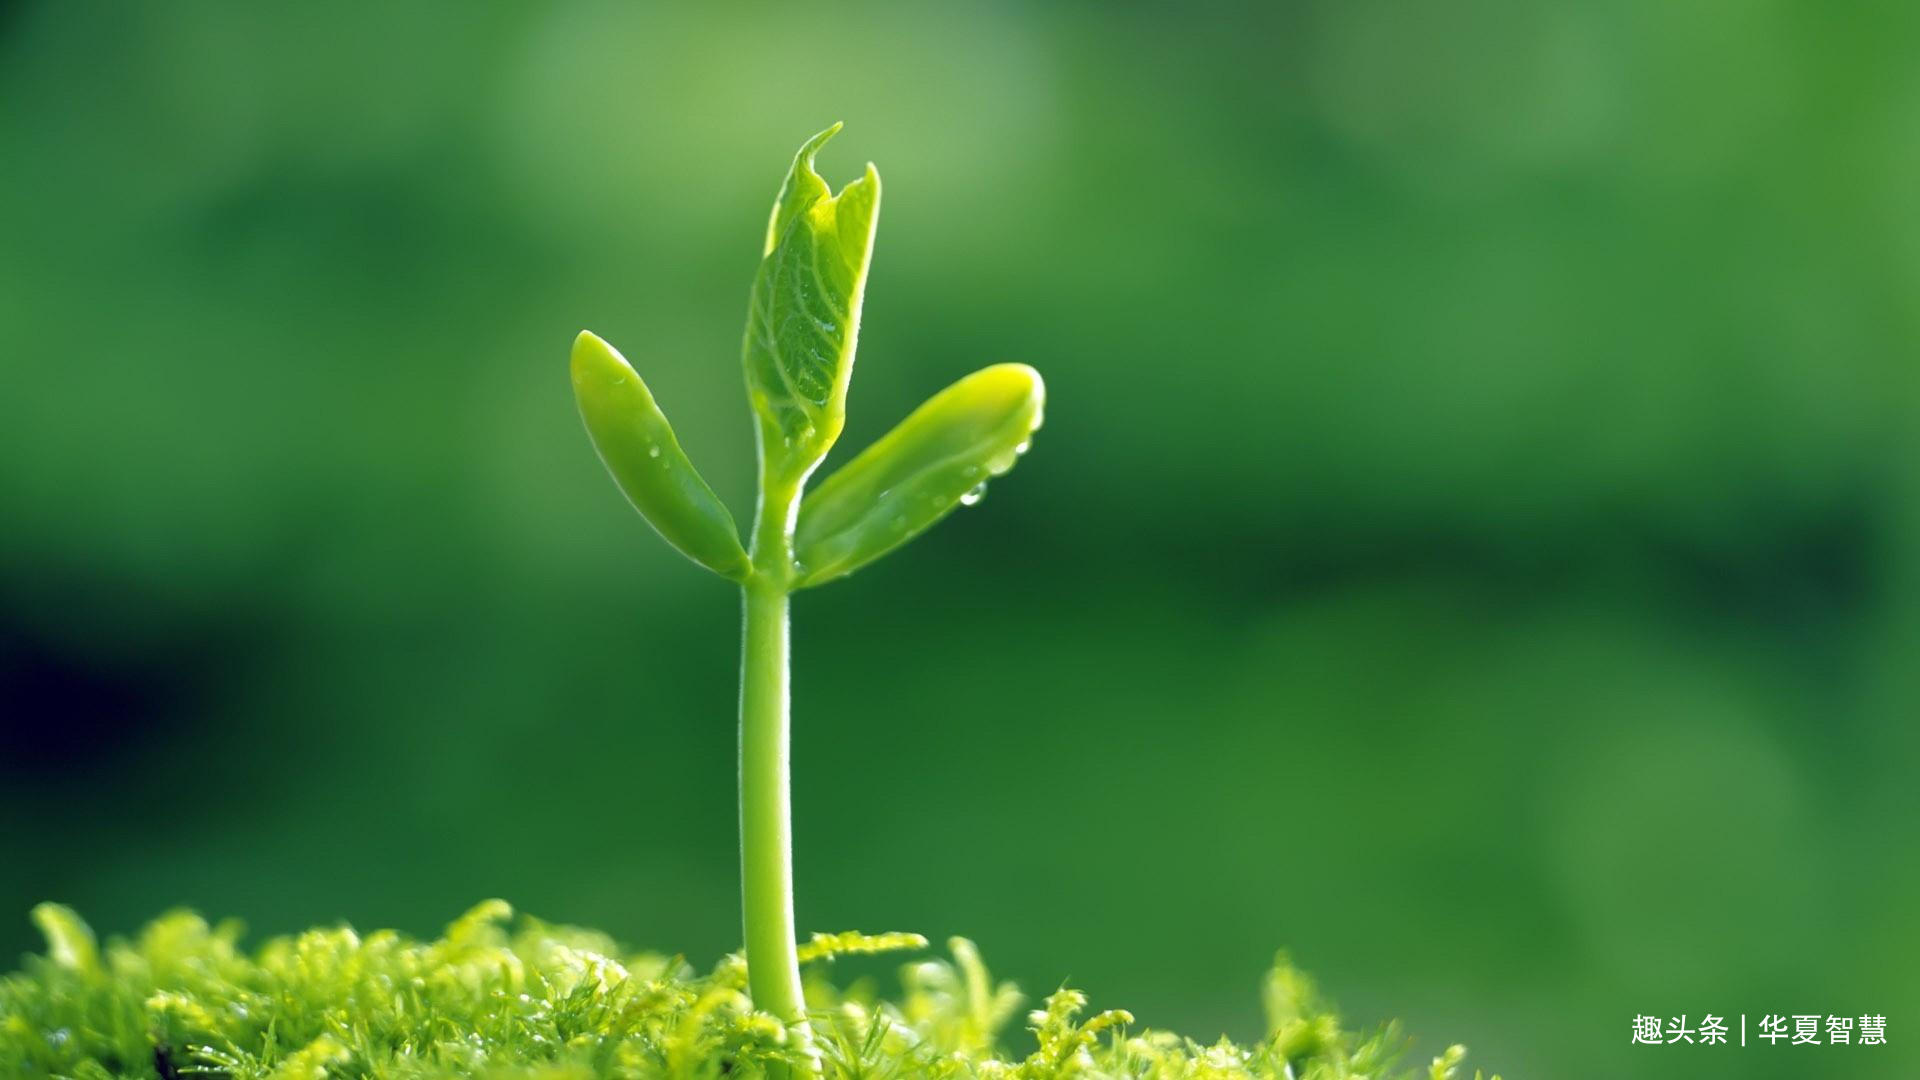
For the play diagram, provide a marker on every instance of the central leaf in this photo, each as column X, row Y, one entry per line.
column 804, row 318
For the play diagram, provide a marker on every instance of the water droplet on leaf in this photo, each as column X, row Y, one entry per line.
column 974, row 494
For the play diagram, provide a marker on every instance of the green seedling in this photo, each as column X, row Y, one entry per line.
column 546, row 1002
column 803, row 323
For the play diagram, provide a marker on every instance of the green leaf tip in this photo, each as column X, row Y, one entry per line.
column 802, row 187
column 639, row 449
column 70, row 941
column 939, row 458
column 803, row 319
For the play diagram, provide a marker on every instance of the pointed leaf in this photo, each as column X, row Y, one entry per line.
column 917, row 473
column 70, row 941
column 638, row 447
column 804, row 317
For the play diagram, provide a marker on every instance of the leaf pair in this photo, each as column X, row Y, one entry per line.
column 802, row 325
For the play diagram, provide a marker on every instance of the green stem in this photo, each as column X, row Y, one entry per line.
column 766, row 811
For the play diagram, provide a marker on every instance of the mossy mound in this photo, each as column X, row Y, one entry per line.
column 543, row 1002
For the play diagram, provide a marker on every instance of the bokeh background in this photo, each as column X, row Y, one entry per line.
column 1475, row 543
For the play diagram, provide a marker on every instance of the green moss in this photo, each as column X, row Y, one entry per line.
column 544, row 1002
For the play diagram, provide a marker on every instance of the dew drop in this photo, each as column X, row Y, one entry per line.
column 1023, row 447
column 974, row 494
column 653, row 451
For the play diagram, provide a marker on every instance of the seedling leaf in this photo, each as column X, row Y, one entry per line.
column 639, row 448
column 935, row 460
column 803, row 319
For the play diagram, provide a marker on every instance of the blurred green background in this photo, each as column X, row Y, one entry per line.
column 1475, row 543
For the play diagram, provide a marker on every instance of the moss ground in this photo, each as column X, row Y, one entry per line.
column 523, row 999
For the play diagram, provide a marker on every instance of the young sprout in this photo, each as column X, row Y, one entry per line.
column 802, row 324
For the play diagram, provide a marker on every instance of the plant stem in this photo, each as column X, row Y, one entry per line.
column 766, row 811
